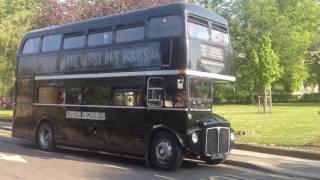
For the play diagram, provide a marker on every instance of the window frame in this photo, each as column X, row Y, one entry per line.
column 163, row 16
column 37, row 99
column 126, row 27
column 199, row 24
column 38, row 49
column 84, row 96
column 97, row 31
column 71, row 35
column 60, row 45
column 198, row 21
column 163, row 92
column 135, row 91
column 220, row 31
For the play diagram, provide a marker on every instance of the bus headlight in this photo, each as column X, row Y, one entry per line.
column 232, row 137
column 194, row 137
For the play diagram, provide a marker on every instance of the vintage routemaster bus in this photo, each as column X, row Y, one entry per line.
column 138, row 83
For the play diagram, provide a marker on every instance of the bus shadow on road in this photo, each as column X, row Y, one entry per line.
column 28, row 148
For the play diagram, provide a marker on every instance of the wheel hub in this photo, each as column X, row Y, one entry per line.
column 45, row 136
column 163, row 151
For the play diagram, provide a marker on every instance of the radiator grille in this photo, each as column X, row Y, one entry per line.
column 217, row 140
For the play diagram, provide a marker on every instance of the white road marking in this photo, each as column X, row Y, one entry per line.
column 75, row 158
column 15, row 158
column 5, row 134
column 164, row 177
column 116, row 167
column 40, row 151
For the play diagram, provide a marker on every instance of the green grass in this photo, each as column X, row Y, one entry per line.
column 5, row 114
column 294, row 124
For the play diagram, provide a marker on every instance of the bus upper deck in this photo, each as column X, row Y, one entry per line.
column 172, row 37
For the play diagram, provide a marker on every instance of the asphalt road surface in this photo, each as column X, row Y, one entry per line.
column 20, row 159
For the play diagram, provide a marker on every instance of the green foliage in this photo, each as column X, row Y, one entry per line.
column 292, row 26
column 17, row 17
column 265, row 63
column 300, row 20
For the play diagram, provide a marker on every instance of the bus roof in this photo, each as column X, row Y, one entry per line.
column 129, row 18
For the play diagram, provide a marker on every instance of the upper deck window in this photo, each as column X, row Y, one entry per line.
column 100, row 38
column 130, row 34
column 198, row 31
column 73, row 42
column 165, row 26
column 219, row 37
column 51, row 42
column 31, row 46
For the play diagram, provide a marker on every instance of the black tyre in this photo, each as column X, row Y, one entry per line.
column 215, row 161
column 45, row 137
column 165, row 153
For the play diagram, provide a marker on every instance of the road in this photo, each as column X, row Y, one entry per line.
column 20, row 159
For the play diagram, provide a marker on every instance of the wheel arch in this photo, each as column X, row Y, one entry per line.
column 152, row 132
column 44, row 119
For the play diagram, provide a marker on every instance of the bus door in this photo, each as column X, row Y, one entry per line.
column 155, row 114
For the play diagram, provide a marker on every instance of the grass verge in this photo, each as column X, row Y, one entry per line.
column 6, row 114
column 289, row 124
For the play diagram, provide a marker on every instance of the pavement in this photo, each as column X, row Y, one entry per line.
column 285, row 165
column 5, row 125
column 304, row 152
column 241, row 164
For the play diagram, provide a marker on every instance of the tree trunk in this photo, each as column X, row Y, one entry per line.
column 252, row 101
column 265, row 101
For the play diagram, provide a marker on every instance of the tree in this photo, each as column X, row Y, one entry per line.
column 313, row 62
column 266, row 64
column 299, row 22
column 249, row 21
column 291, row 27
column 16, row 19
column 266, row 67
column 53, row 12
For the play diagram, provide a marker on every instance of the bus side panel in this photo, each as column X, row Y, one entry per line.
column 175, row 118
column 23, row 123
column 23, row 126
column 127, row 130
column 67, row 131
column 27, row 66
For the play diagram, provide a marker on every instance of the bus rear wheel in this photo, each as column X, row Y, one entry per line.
column 45, row 137
column 166, row 154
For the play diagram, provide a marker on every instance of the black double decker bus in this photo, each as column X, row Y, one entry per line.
column 138, row 83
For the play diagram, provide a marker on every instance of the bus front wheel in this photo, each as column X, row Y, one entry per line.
column 45, row 137
column 166, row 154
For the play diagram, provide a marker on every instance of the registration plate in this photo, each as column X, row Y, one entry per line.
column 217, row 156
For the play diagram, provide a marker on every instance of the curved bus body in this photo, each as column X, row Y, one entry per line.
column 138, row 83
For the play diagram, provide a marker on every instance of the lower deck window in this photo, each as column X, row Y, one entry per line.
column 73, row 96
column 48, row 95
column 97, row 95
column 127, row 98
